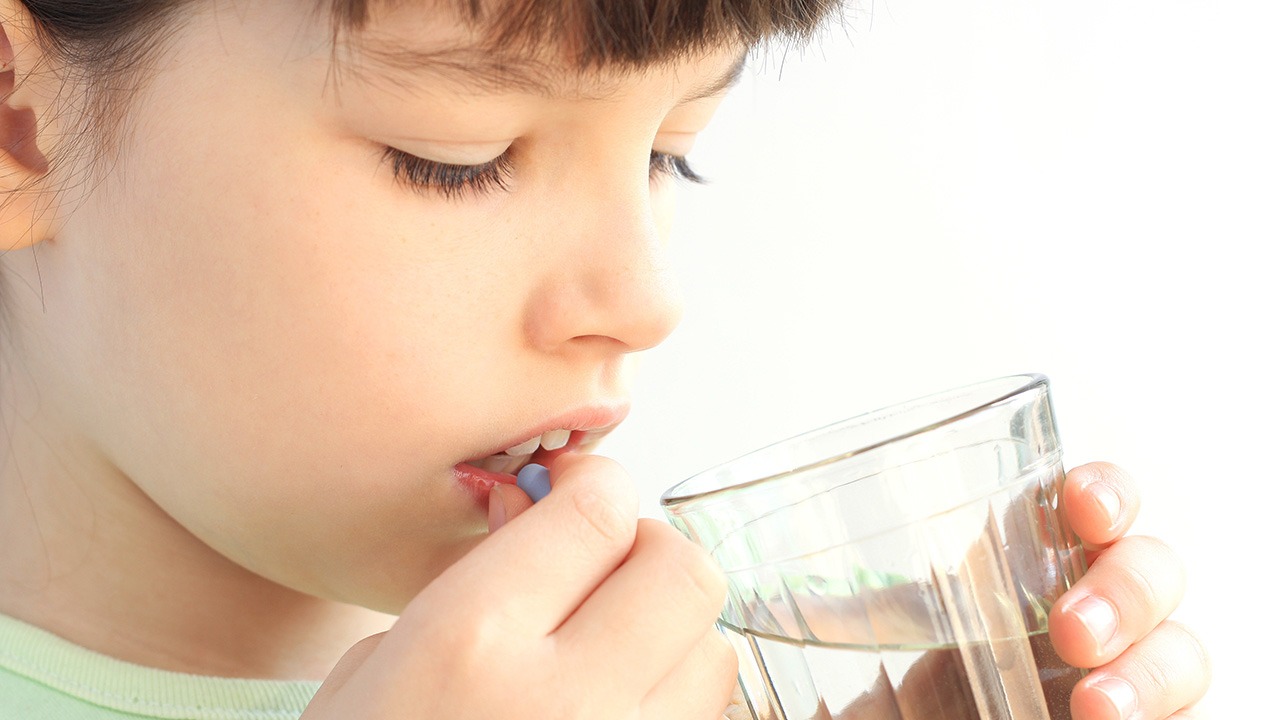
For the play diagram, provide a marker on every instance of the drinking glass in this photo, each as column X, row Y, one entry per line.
column 900, row 564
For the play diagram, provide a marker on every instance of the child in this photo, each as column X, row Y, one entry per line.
column 293, row 287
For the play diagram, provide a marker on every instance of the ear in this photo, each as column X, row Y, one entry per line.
column 24, row 208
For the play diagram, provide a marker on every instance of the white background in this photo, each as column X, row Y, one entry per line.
column 944, row 192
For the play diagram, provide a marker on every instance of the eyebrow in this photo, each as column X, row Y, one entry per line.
column 474, row 69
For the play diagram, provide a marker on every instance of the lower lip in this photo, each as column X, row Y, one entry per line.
column 478, row 482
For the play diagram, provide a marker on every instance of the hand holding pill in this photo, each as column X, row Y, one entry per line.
column 575, row 609
column 533, row 483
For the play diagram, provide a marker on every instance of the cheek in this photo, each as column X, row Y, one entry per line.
column 261, row 296
column 288, row 355
column 269, row 326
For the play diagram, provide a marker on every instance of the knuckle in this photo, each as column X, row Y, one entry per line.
column 1157, row 676
column 1175, row 666
column 1155, row 546
column 1152, row 571
column 472, row 645
column 1194, row 646
column 604, row 522
column 602, row 497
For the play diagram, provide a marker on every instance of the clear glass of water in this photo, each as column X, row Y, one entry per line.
column 900, row 564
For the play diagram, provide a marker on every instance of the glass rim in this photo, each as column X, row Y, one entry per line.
column 673, row 496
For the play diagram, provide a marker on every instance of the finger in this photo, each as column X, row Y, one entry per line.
column 1101, row 502
column 347, row 666
column 506, row 502
column 1131, row 587
column 1166, row 672
column 701, row 687
column 652, row 611
column 532, row 575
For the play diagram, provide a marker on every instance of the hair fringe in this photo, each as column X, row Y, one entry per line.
column 610, row 33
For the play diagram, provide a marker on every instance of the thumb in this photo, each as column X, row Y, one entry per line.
column 506, row 502
column 351, row 661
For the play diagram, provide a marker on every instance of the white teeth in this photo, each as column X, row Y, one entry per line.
column 525, row 448
column 555, row 439
column 551, row 440
column 500, row 464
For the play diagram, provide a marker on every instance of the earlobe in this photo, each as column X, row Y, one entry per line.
column 22, row 163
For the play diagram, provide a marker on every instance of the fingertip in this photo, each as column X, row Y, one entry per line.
column 497, row 510
column 1114, row 476
column 1103, row 698
column 1101, row 502
column 572, row 462
column 1107, row 505
column 506, row 502
column 1081, row 628
column 1069, row 640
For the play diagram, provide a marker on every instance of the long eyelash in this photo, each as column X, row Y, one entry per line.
column 450, row 181
column 677, row 166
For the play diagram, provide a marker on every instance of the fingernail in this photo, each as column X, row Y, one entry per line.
column 1109, row 501
column 1098, row 617
column 1120, row 694
column 534, row 480
column 497, row 511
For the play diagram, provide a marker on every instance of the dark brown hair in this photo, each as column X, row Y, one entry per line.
column 108, row 48
column 626, row 33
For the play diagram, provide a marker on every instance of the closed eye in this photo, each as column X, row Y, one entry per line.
column 677, row 166
column 449, row 180
column 452, row 181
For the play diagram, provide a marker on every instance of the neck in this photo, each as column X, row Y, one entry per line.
column 90, row 557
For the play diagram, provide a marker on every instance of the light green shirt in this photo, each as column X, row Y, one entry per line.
column 43, row 677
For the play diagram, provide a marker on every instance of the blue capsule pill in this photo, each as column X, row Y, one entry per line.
column 534, row 480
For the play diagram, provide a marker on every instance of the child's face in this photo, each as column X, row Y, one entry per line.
column 290, row 352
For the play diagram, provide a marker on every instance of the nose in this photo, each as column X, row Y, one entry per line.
column 607, row 282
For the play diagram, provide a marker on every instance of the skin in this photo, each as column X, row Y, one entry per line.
column 239, row 378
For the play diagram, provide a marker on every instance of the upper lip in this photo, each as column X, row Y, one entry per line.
column 595, row 421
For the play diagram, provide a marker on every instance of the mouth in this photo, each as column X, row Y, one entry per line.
column 581, row 430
